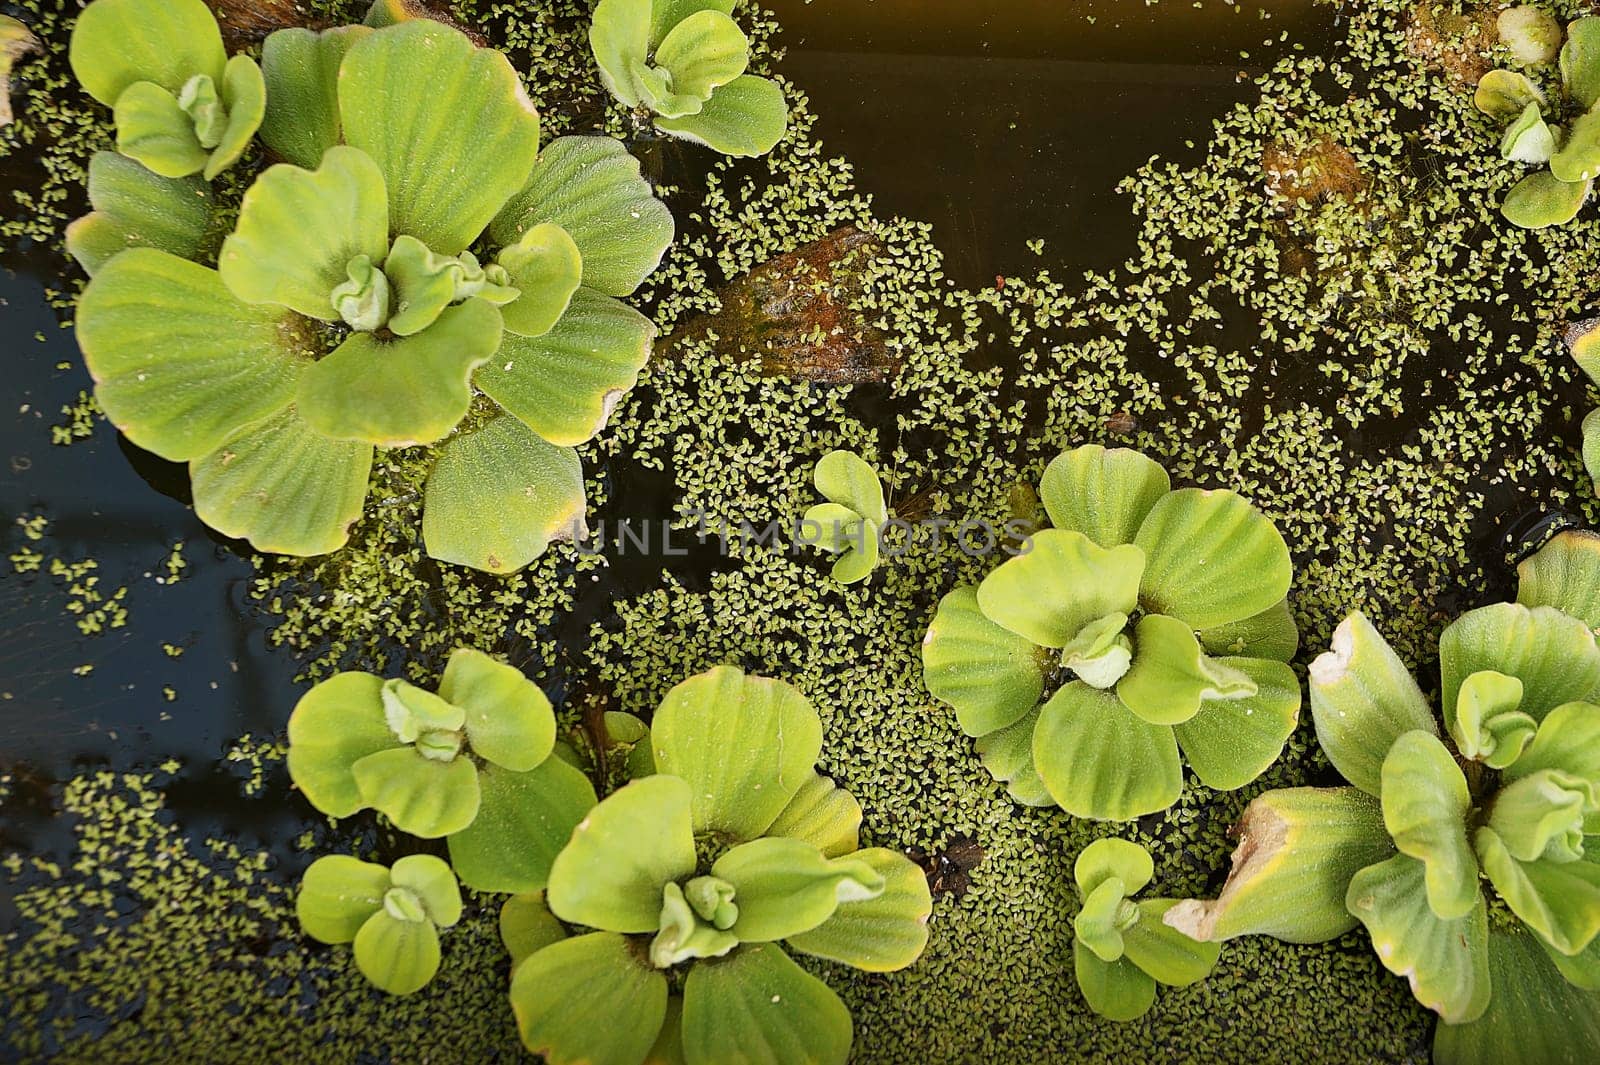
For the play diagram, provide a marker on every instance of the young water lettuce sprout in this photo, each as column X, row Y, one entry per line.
column 349, row 310
column 684, row 62
column 392, row 915
column 1509, row 792
column 691, row 880
column 1120, row 948
column 16, row 41
column 181, row 105
column 850, row 523
column 1155, row 619
column 470, row 762
column 1561, row 132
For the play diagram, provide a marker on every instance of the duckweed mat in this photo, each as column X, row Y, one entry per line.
column 1321, row 308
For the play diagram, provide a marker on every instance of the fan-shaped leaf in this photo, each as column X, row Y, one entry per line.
column 1231, row 742
column 558, row 992
column 499, row 496
column 527, row 926
column 756, row 1004
column 116, row 43
column 1558, row 900
column 298, row 230
column 1171, row 677
column 1363, row 698
column 1100, row 760
column 1564, row 574
column 244, row 93
column 524, row 820
column 450, row 156
column 703, row 52
column 1533, row 1016
column 1061, row 584
column 990, row 675
column 822, row 814
column 882, row 934
column 746, row 117
column 508, row 719
column 786, row 886
column 404, row 391
column 134, row 207
column 1109, row 858
column 1446, row 961
column 1118, row 991
column 546, row 268
column 1580, row 62
column 301, row 70
column 1505, row 94
column 397, row 955
column 1541, row 200
column 181, row 366
column 621, row 855
column 590, row 187
column 423, row 796
column 1211, row 558
column 333, row 726
column 1553, row 655
column 1008, row 756
column 619, row 36
column 337, row 896
column 1298, row 849
column 283, row 487
column 564, row 384
column 743, row 744
column 1269, row 634
column 1105, row 494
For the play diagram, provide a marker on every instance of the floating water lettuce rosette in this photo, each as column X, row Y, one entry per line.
column 673, row 909
column 1150, row 621
column 1470, row 854
column 419, row 272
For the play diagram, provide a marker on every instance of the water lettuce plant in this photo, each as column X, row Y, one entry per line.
column 1559, row 131
column 1583, row 342
column 1121, row 948
column 691, row 881
column 419, row 272
column 1470, row 853
column 683, row 62
column 471, row 762
column 181, row 105
column 1156, row 620
column 851, row 522
column 391, row 915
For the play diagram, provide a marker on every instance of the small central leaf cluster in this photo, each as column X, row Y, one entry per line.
column 1559, row 130
column 683, row 61
column 1168, row 612
column 851, row 522
column 733, row 846
column 1121, row 948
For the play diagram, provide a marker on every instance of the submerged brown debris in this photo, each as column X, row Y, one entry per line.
column 1456, row 43
column 795, row 314
column 1323, row 170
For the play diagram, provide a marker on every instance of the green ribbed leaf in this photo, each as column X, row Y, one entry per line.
column 1425, row 808
column 991, row 676
column 1270, row 634
column 422, row 796
column 1558, row 900
column 1541, row 200
column 283, row 487
column 1211, row 558
column 558, row 993
column 1553, row 655
column 621, row 855
column 703, row 52
column 591, row 188
column 822, row 814
column 1100, row 760
column 508, row 719
column 1446, row 961
column 135, row 207
column 527, row 926
column 301, row 71
column 1171, row 677
column 181, row 366
column 1008, row 756
column 1118, row 991
column 451, row 156
column 546, row 268
column 402, row 391
column 1165, row 953
column 746, row 117
column 334, row 726
column 116, row 43
column 298, row 230
column 499, row 496
column 1105, row 494
column 1231, row 742
column 1580, row 62
column 396, row 955
column 744, row 744
column 882, row 934
column 784, row 887
column 1533, row 1016
column 563, row 385
column 524, row 820
column 1363, row 698
column 1298, row 849
column 756, row 1004
column 1564, row 574
column 1064, row 582
column 337, row 895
